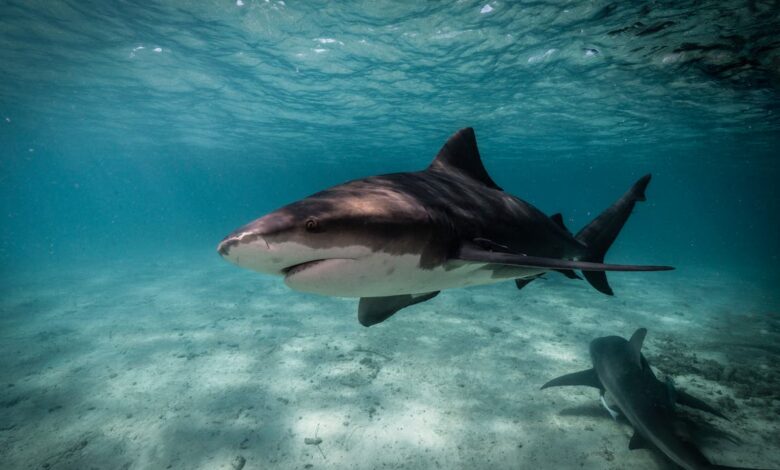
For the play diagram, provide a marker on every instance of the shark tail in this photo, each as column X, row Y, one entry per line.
column 599, row 234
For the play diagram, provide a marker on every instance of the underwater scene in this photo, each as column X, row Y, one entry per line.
column 261, row 234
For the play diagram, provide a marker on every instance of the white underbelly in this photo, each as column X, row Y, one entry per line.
column 383, row 274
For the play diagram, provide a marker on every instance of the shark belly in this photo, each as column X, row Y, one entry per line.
column 384, row 274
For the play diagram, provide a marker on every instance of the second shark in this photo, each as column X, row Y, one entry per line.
column 620, row 369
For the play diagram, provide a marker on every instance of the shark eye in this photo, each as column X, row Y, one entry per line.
column 312, row 225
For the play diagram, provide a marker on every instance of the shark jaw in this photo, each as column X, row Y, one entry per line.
column 296, row 268
column 286, row 259
column 323, row 267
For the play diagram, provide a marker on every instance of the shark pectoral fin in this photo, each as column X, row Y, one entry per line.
column 373, row 310
column 690, row 401
column 635, row 344
column 638, row 442
column 475, row 253
column 587, row 378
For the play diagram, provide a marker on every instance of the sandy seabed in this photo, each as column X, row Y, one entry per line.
column 159, row 365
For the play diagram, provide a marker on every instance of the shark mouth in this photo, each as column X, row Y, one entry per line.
column 296, row 268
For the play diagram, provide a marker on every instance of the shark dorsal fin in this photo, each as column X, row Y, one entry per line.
column 460, row 153
column 557, row 218
column 635, row 345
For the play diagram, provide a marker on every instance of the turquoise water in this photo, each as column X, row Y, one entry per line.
column 135, row 135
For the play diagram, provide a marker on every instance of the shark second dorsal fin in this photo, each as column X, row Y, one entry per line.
column 635, row 345
column 558, row 219
column 460, row 153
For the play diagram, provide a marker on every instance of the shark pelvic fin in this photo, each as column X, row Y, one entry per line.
column 373, row 310
column 635, row 345
column 460, row 153
column 587, row 378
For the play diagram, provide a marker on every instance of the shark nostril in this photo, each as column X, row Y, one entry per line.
column 224, row 247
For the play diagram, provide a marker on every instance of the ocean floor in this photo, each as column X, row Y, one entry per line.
column 159, row 365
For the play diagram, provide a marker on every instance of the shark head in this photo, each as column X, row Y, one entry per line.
column 379, row 236
column 618, row 353
column 287, row 241
column 607, row 346
column 343, row 241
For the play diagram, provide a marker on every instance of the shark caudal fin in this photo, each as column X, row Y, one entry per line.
column 598, row 235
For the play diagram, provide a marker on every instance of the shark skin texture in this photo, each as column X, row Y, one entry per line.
column 396, row 240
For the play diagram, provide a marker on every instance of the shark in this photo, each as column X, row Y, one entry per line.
column 621, row 370
column 398, row 239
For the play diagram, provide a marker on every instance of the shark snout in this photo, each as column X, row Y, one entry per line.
column 234, row 245
column 224, row 247
column 251, row 250
column 228, row 244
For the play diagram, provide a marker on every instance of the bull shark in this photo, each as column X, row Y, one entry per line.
column 396, row 240
column 620, row 369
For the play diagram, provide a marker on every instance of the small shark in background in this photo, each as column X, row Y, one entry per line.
column 620, row 369
column 397, row 240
